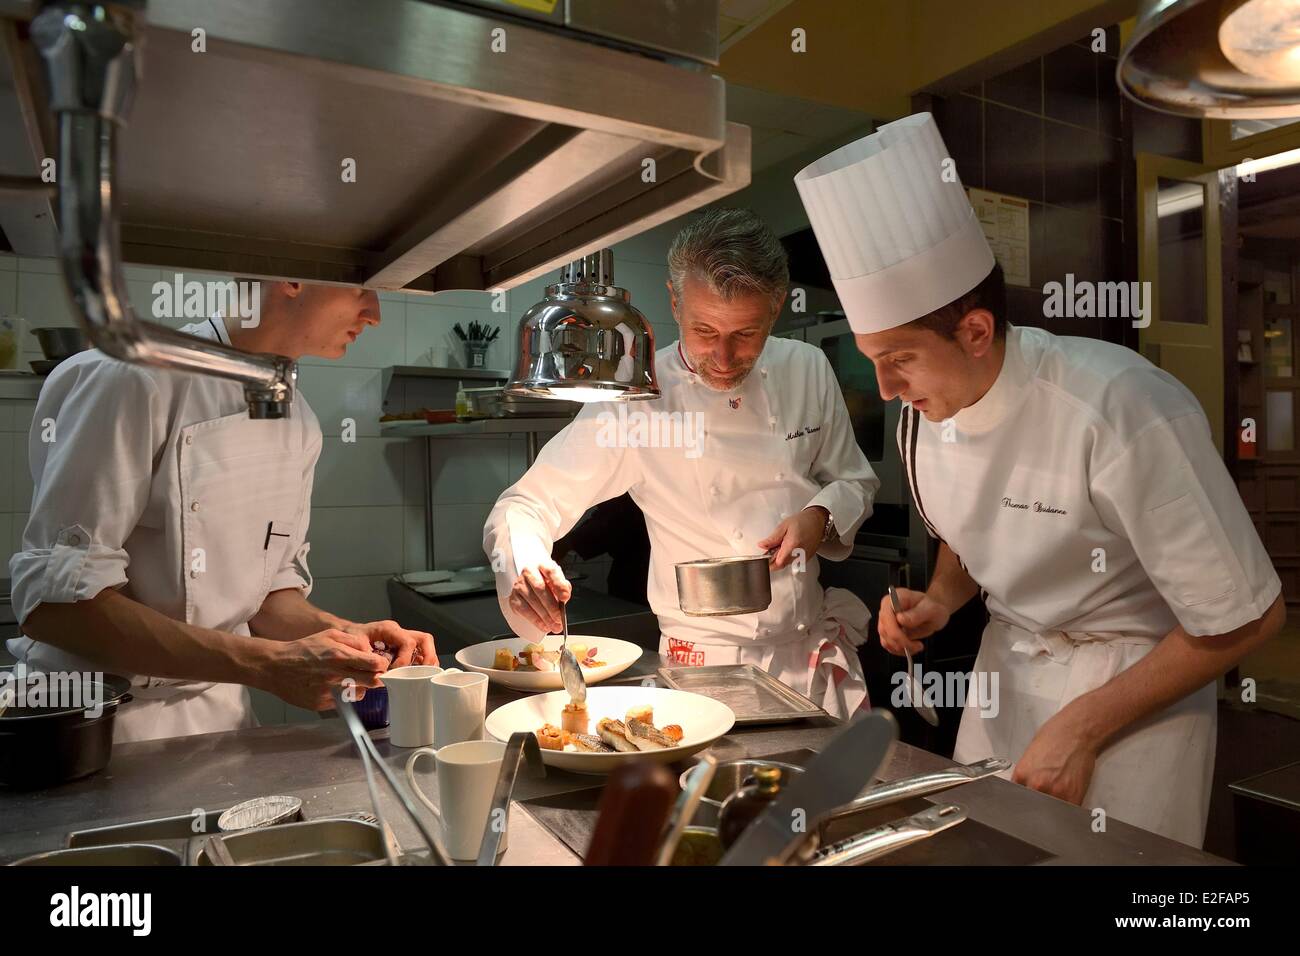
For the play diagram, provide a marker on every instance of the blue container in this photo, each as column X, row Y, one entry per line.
column 373, row 709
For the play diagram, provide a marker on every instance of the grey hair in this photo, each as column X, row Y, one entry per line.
column 735, row 252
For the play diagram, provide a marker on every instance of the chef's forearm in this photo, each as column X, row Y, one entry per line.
column 120, row 634
column 1180, row 664
column 286, row 615
column 950, row 585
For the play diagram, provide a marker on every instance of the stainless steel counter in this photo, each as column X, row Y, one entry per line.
column 316, row 761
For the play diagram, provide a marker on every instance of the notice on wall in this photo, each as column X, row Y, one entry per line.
column 1005, row 220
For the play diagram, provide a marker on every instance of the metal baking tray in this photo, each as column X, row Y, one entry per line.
column 754, row 696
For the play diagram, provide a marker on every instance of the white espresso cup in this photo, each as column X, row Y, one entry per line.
column 410, row 704
column 467, row 778
column 459, row 707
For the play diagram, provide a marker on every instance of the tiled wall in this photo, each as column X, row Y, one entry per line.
column 1053, row 131
column 367, row 517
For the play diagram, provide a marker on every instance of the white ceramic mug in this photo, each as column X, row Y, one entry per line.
column 467, row 778
column 410, row 704
column 459, row 707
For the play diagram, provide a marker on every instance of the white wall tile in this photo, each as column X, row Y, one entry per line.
column 43, row 301
column 8, row 262
column 365, row 472
column 413, row 473
column 9, row 446
column 19, row 524
column 29, row 264
column 648, row 288
column 336, row 392
column 355, row 541
column 469, row 470
column 413, row 534
column 363, row 598
column 6, row 418
column 20, row 473
column 23, row 412
column 458, row 535
column 431, row 325
column 6, row 537
column 9, row 293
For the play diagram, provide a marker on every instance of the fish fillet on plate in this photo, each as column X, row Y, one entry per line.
column 679, row 724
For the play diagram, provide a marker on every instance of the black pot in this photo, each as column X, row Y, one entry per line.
column 44, row 746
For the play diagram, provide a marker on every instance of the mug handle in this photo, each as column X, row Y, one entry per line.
column 410, row 776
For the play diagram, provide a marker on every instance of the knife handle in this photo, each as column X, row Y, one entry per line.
column 631, row 815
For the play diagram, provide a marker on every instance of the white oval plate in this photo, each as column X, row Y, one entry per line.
column 703, row 720
column 617, row 655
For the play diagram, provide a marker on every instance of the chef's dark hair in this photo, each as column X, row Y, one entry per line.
column 990, row 294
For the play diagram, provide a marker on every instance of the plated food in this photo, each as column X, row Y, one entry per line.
column 616, row 725
column 522, row 665
column 635, row 733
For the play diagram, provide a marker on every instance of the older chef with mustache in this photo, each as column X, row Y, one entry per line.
column 1071, row 483
column 168, row 533
column 777, row 468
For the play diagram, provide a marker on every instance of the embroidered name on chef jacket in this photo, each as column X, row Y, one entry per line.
column 800, row 432
column 1037, row 507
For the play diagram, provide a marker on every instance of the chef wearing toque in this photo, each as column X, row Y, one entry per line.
column 1070, row 482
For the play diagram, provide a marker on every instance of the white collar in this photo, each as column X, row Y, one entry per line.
column 1005, row 394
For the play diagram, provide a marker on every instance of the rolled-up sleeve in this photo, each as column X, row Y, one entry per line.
column 849, row 484
column 293, row 571
column 91, row 449
column 1170, row 494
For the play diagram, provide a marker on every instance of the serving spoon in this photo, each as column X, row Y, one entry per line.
column 570, row 670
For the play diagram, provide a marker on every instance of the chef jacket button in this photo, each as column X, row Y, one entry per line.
column 772, row 421
column 739, row 535
column 74, row 539
column 763, row 372
column 780, row 476
column 194, row 574
column 189, row 439
column 801, row 627
column 713, row 490
column 194, row 506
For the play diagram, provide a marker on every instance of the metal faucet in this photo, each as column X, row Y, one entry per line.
column 90, row 59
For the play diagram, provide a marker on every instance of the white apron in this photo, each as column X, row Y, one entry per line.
column 1156, row 775
column 822, row 665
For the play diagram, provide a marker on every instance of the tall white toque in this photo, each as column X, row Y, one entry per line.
column 894, row 225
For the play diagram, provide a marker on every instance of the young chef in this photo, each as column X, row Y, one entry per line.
column 776, row 466
column 168, row 533
column 1071, row 482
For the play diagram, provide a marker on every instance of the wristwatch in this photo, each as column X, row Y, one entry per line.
column 828, row 533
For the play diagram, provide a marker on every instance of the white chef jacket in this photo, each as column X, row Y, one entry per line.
column 1084, row 494
column 157, row 483
column 778, row 442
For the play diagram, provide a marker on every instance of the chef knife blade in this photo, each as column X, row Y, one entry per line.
column 833, row 777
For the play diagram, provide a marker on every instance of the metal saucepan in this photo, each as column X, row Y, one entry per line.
column 712, row 587
column 58, row 342
column 44, row 745
column 729, row 777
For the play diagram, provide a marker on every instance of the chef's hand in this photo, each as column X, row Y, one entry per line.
column 799, row 532
column 406, row 647
column 303, row 672
column 538, row 593
column 1059, row 761
column 919, row 616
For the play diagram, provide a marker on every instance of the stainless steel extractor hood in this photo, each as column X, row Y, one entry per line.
column 474, row 169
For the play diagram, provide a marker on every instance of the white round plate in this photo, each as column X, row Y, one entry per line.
column 427, row 577
column 447, row 587
column 703, row 720
column 617, row 655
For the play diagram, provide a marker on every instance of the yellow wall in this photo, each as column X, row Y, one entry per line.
column 872, row 55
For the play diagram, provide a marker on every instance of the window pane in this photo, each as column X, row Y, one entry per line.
column 1280, row 407
column 1181, row 213
column 1278, row 348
